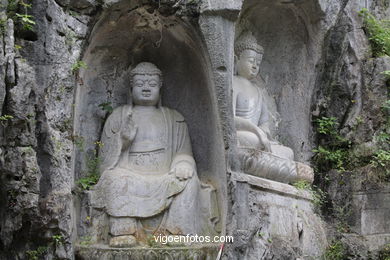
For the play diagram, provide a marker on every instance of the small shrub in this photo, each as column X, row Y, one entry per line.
column 79, row 65
column 386, row 73
column 88, row 182
column 327, row 125
column 6, row 117
column 318, row 195
column 381, row 161
column 379, row 33
column 327, row 159
column 384, row 254
column 79, row 142
column 93, row 165
column 58, row 239
column 107, row 106
column 386, row 105
column 24, row 19
column 86, row 240
column 36, row 254
column 302, row 185
column 335, row 251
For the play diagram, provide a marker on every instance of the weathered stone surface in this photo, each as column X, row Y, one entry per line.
column 316, row 63
column 179, row 253
column 274, row 221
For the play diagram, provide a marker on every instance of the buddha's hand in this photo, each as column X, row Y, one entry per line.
column 129, row 128
column 183, row 171
column 265, row 144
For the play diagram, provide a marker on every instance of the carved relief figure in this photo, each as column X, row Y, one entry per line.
column 252, row 120
column 149, row 181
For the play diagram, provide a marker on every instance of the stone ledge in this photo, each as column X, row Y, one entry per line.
column 373, row 242
column 103, row 252
column 272, row 186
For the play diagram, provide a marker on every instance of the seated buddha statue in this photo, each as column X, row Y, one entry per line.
column 252, row 119
column 149, row 183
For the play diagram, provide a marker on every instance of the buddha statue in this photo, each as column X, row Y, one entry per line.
column 149, row 183
column 260, row 153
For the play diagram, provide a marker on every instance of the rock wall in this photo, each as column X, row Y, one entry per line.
column 330, row 72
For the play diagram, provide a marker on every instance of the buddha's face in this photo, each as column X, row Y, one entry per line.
column 248, row 64
column 146, row 89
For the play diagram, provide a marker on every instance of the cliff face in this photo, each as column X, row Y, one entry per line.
column 39, row 73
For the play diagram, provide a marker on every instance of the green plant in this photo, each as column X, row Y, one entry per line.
column 342, row 214
column 88, row 182
column 93, row 164
column 302, row 185
column 386, row 73
column 79, row 142
column 79, row 65
column 327, row 125
column 36, row 254
column 386, row 105
column 334, row 151
column 58, row 239
column 328, row 159
column 106, row 106
column 381, row 161
column 384, row 253
column 379, row 33
column 6, row 117
column 383, row 137
column 24, row 19
column 85, row 240
column 335, row 251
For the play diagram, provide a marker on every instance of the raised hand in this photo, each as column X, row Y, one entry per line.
column 129, row 128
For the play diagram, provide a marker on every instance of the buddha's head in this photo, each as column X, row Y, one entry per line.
column 146, row 81
column 249, row 55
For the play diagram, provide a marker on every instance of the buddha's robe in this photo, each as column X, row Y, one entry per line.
column 136, row 180
column 249, row 103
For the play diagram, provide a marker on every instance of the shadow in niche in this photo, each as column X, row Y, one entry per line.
column 287, row 30
column 119, row 41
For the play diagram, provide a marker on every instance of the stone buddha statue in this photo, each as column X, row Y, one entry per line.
column 149, row 183
column 260, row 153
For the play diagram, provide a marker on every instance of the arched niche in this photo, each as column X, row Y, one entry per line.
column 287, row 30
column 125, row 36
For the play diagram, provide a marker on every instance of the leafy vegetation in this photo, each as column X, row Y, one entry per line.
column 58, row 239
column 333, row 154
column 85, row 240
column 381, row 161
column 79, row 65
column 335, row 251
column 386, row 73
column 6, row 117
column 379, row 33
column 107, row 106
column 36, row 254
column 22, row 18
column 318, row 196
column 93, row 165
column 384, row 254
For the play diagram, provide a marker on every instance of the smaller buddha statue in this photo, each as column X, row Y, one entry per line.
column 261, row 153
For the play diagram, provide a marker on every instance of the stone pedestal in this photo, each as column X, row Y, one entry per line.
column 371, row 216
column 274, row 219
column 102, row 252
